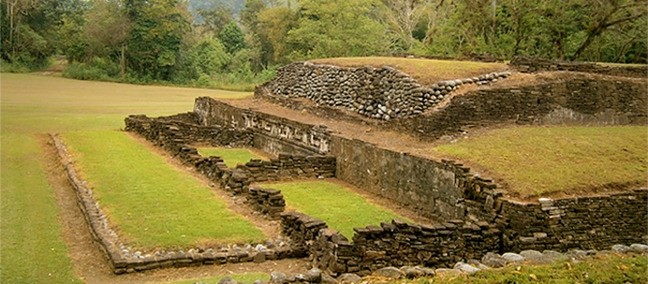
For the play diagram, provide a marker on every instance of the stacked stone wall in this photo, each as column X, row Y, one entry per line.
column 273, row 134
column 380, row 93
column 533, row 64
column 577, row 100
column 123, row 259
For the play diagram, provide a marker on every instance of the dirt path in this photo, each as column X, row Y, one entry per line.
column 91, row 266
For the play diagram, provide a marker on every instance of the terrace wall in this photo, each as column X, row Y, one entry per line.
column 122, row 259
column 579, row 99
column 177, row 137
column 390, row 244
column 533, row 64
column 273, row 134
column 380, row 93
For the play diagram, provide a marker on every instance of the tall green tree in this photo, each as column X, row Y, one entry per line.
column 232, row 38
column 337, row 28
column 156, row 38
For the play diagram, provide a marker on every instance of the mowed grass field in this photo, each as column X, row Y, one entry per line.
column 537, row 161
column 151, row 203
column 31, row 248
column 232, row 156
column 341, row 208
column 426, row 71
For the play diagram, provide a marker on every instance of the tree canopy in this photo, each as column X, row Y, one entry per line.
column 189, row 40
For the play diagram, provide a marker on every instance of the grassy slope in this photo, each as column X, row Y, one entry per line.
column 231, row 157
column 30, row 104
column 167, row 209
column 599, row 269
column 545, row 160
column 339, row 207
column 426, row 71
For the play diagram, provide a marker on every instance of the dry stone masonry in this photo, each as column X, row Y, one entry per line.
column 533, row 64
column 124, row 259
column 381, row 93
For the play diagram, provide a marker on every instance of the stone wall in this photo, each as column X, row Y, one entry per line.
column 425, row 186
column 273, row 134
column 532, row 64
column 269, row 202
column 184, row 129
column 124, row 259
column 172, row 136
column 592, row 222
column 380, row 93
column 579, row 99
column 390, row 244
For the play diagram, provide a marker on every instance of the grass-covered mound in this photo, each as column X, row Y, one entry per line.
column 536, row 161
column 341, row 208
column 426, row 71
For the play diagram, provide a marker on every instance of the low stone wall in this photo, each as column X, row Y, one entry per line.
column 172, row 136
column 179, row 129
column 390, row 244
column 268, row 201
column 579, row 99
column 122, row 258
column 273, row 134
column 593, row 222
column 533, row 64
column 380, row 93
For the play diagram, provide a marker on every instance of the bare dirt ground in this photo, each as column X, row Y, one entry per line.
column 90, row 264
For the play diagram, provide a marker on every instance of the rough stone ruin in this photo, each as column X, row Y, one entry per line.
column 474, row 220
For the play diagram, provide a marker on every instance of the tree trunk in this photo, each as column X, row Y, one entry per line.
column 122, row 61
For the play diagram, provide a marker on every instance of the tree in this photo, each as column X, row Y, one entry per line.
column 607, row 14
column 402, row 16
column 215, row 19
column 273, row 26
column 337, row 28
column 232, row 38
column 156, row 39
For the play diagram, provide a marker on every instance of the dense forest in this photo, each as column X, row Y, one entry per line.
column 199, row 42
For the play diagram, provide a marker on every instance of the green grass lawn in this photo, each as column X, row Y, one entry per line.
column 231, row 156
column 426, row 71
column 536, row 161
column 598, row 269
column 31, row 247
column 149, row 201
column 341, row 208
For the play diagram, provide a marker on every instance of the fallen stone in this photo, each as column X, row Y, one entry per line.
column 278, row 278
column 493, row 260
column 328, row 279
column 512, row 257
column 227, row 280
column 639, row 248
column 576, row 254
column 389, row 272
column 349, row 278
column 466, row 268
column 620, row 248
column 412, row 272
column 314, row 275
column 533, row 255
column 477, row 264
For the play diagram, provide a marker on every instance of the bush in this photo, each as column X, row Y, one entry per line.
column 15, row 67
column 83, row 71
column 97, row 69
